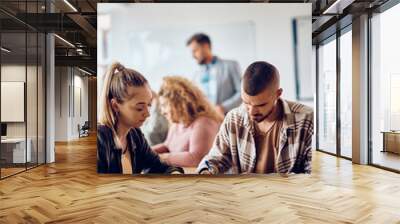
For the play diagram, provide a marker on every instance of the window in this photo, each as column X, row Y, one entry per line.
column 23, row 77
column 385, row 89
column 327, row 97
column 346, row 94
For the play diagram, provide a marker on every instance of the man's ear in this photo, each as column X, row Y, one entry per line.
column 279, row 92
column 114, row 105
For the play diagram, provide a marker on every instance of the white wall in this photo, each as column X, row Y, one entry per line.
column 33, row 127
column 80, row 118
column 12, row 73
column 61, row 107
column 272, row 40
column 66, row 119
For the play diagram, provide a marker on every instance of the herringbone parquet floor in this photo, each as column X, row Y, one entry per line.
column 70, row 191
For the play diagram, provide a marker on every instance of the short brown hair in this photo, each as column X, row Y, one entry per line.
column 258, row 76
column 200, row 38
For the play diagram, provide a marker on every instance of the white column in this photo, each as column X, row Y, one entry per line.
column 360, row 90
column 50, row 99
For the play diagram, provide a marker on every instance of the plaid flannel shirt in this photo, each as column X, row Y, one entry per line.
column 234, row 149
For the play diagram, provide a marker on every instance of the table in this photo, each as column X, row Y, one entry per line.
column 391, row 141
column 190, row 170
column 13, row 150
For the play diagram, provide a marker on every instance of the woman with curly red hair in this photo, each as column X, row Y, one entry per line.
column 194, row 122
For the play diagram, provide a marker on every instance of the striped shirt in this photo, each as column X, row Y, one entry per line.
column 234, row 149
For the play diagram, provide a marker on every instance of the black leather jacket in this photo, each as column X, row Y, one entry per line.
column 142, row 157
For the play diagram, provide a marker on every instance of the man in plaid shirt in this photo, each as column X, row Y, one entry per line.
column 266, row 134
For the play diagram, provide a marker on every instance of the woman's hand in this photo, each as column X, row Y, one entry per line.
column 164, row 156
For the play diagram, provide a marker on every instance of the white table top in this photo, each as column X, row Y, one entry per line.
column 13, row 140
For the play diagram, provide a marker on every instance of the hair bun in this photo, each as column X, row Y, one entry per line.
column 117, row 67
column 120, row 67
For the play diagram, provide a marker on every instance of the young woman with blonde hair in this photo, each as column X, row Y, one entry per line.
column 194, row 122
column 121, row 146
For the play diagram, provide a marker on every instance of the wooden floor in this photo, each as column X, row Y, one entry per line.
column 10, row 171
column 387, row 159
column 5, row 172
column 70, row 191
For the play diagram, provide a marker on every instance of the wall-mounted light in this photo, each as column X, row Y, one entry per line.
column 64, row 40
column 5, row 50
column 70, row 5
column 80, row 51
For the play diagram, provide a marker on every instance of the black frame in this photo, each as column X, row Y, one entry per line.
column 330, row 38
column 382, row 8
column 334, row 37
column 29, row 29
column 341, row 32
column 387, row 5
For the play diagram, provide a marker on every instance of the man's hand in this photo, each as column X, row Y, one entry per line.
column 205, row 172
column 220, row 110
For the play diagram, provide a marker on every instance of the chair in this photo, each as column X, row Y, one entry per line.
column 84, row 130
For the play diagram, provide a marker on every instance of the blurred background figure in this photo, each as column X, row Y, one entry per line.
column 219, row 79
column 193, row 120
column 155, row 128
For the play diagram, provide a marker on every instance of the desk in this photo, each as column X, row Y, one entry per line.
column 13, row 150
column 391, row 141
column 190, row 170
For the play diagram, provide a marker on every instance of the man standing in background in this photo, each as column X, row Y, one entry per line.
column 218, row 78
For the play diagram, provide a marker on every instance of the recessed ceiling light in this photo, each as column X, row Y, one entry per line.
column 337, row 7
column 5, row 49
column 86, row 72
column 64, row 40
column 70, row 5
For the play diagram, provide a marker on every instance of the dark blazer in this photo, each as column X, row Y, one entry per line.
column 142, row 157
